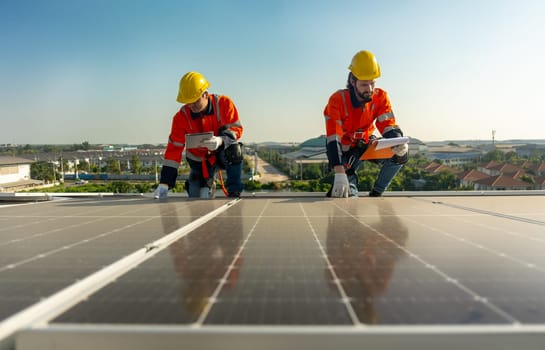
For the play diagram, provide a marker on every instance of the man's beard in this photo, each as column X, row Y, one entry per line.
column 365, row 97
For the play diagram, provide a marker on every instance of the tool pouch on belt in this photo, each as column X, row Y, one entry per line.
column 354, row 153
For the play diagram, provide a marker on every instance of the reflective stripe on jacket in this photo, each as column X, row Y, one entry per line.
column 224, row 116
column 345, row 123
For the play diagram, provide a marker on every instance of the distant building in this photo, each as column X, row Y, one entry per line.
column 434, row 167
column 453, row 155
column 529, row 150
column 504, row 176
column 15, row 174
column 470, row 177
column 416, row 146
column 501, row 183
column 494, row 169
column 537, row 169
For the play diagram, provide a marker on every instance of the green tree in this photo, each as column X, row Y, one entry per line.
column 113, row 166
column 367, row 174
column 511, row 157
column 408, row 174
column 82, row 165
column 446, row 180
column 312, row 171
column 528, row 179
column 51, row 149
column 42, row 171
column 136, row 164
column 494, row 155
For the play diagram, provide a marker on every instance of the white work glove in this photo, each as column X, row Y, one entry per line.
column 161, row 192
column 212, row 143
column 400, row 150
column 340, row 186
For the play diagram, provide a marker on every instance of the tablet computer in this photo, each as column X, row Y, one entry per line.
column 195, row 140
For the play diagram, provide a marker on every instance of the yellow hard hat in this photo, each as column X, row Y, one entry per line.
column 192, row 85
column 364, row 66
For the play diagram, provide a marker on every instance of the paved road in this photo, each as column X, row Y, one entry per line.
column 269, row 173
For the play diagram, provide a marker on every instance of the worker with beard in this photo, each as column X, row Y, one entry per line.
column 351, row 117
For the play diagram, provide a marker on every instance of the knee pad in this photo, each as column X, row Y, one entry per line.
column 232, row 155
column 401, row 160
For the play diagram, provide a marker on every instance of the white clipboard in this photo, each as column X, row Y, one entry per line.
column 195, row 140
column 381, row 148
column 394, row 141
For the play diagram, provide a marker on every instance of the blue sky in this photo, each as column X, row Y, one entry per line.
column 107, row 71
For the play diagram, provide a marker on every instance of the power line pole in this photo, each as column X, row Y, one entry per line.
column 494, row 138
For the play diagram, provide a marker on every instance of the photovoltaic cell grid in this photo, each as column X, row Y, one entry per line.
column 48, row 246
column 289, row 261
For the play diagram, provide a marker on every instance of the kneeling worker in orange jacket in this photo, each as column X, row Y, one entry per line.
column 203, row 112
column 351, row 117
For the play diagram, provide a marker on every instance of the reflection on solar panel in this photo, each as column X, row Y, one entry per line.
column 301, row 272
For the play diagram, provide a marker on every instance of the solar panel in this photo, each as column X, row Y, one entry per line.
column 293, row 270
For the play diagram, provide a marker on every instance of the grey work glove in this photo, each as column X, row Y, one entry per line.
column 161, row 192
column 212, row 143
column 400, row 150
column 340, row 186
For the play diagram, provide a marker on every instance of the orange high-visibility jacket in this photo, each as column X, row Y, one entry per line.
column 346, row 123
column 221, row 114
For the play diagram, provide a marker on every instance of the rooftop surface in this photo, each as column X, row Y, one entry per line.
column 293, row 271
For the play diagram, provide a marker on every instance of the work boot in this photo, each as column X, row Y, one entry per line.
column 375, row 193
